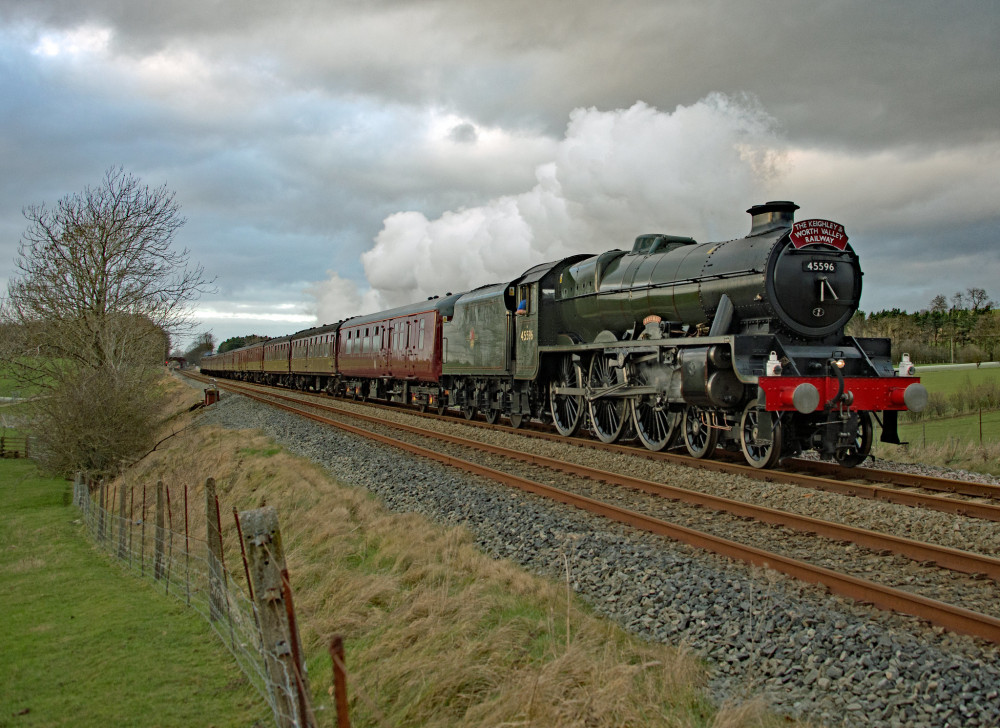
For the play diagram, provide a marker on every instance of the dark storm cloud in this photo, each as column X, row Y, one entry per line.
column 293, row 131
column 850, row 71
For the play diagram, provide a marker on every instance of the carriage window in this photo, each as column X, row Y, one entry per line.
column 420, row 340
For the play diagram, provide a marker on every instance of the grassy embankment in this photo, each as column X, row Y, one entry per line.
column 436, row 633
column 84, row 644
column 948, row 432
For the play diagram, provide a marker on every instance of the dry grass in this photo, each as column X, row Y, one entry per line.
column 966, row 455
column 437, row 634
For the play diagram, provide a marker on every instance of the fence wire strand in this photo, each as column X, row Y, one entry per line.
column 179, row 563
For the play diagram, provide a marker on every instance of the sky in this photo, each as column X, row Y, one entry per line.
column 337, row 157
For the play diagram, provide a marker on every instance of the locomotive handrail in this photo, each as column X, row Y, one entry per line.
column 668, row 284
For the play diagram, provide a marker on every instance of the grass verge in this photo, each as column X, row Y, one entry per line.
column 436, row 633
column 87, row 645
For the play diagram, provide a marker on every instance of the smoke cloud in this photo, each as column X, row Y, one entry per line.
column 615, row 174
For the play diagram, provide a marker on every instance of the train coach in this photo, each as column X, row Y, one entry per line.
column 739, row 344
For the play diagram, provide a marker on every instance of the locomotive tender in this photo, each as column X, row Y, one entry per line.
column 739, row 344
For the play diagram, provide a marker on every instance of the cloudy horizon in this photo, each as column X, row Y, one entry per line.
column 334, row 158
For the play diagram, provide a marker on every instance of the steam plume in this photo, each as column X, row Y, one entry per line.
column 616, row 174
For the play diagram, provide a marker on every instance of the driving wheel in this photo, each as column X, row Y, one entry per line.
column 607, row 414
column 567, row 409
column 655, row 425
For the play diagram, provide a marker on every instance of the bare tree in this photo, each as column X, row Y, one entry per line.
column 203, row 345
column 939, row 303
column 978, row 299
column 99, row 289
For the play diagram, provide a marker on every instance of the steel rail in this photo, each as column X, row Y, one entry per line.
column 909, row 480
column 944, row 615
column 969, row 509
column 943, row 504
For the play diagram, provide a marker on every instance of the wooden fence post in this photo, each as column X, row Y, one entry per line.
column 159, row 537
column 216, row 578
column 287, row 679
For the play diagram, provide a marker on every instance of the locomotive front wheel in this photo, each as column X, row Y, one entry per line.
column 567, row 409
column 607, row 414
column 492, row 416
column 856, row 452
column 700, row 438
column 758, row 452
column 517, row 420
column 468, row 411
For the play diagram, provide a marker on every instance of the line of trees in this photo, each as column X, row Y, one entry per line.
column 87, row 319
column 967, row 330
column 237, row 342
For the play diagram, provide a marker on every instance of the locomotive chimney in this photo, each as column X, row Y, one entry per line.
column 772, row 216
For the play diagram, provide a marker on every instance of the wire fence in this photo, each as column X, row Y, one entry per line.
column 152, row 532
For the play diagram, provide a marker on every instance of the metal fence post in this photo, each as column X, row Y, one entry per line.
column 122, row 550
column 339, row 681
column 216, row 585
column 159, row 538
column 102, row 505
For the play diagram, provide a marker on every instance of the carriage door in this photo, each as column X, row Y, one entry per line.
column 526, row 331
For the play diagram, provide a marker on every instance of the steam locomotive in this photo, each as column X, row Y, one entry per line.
column 739, row 344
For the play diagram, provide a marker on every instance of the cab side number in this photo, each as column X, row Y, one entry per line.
column 527, row 335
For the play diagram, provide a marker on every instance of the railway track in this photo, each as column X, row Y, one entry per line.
column 950, row 616
column 973, row 500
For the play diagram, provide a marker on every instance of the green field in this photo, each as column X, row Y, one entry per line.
column 961, row 423
column 959, row 429
column 956, row 435
column 950, row 381
column 87, row 645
